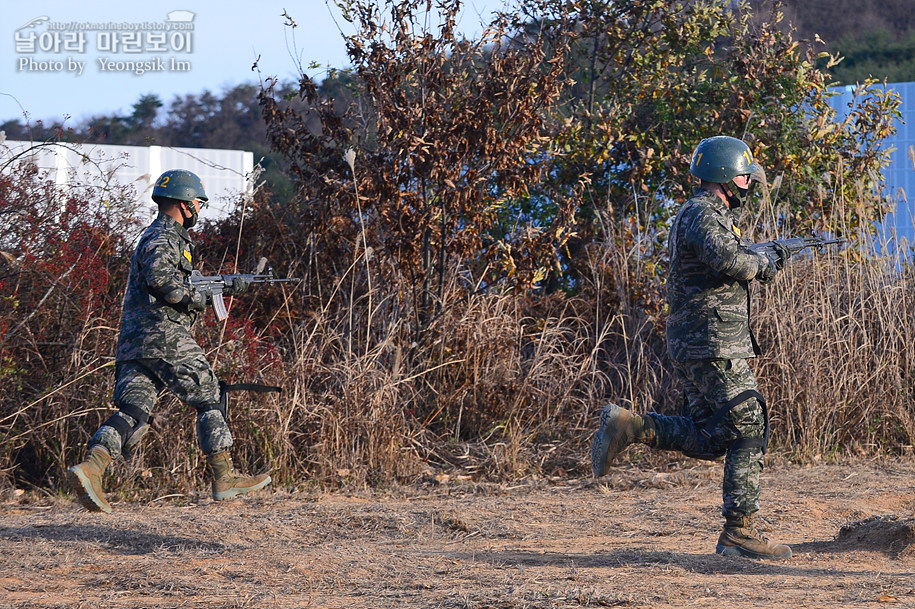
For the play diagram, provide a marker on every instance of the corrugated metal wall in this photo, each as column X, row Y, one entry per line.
column 224, row 173
column 900, row 175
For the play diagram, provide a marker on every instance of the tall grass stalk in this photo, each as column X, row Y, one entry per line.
column 499, row 385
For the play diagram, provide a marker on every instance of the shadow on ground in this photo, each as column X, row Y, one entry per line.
column 121, row 540
column 707, row 564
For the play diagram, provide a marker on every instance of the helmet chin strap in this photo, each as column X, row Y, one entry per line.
column 736, row 195
column 733, row 200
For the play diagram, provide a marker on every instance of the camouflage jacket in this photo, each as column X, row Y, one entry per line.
column 161, row 263
column 708, row 285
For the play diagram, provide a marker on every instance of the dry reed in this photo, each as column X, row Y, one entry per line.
column 496, row 386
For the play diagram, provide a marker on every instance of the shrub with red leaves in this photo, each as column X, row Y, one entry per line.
column 65, row 256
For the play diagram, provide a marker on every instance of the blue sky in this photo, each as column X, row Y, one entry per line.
column 65, row 59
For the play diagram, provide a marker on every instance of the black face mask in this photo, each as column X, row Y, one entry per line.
column 736, row 195
column 188, row 221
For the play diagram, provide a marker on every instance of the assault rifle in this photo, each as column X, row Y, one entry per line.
column 793, row 245
column 214, row 286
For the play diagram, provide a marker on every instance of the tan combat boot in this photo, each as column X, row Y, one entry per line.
column 740, row 538
column 228, row 483
column 618, row 429
column 86, row 480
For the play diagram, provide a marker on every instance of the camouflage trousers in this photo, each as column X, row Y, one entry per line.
column 191, row 379
column 708, row 384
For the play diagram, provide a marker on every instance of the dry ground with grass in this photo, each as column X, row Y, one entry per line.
column 637, row 538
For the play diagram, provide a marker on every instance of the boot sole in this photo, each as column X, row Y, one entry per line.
column 600, row 447
column 235, row 492
column 737, row 551
column 86, row 496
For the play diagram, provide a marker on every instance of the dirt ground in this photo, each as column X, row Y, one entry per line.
column 636, row 538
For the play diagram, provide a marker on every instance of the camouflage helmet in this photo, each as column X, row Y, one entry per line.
column 720, row 159
column 178, row 184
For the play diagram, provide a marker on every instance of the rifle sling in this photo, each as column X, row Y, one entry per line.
column 224, row 388
column 255, row 387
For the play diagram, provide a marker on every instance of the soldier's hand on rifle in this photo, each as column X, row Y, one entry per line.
column 239, row 285
column 783, row 254
column 767, row 269
column 196, row 300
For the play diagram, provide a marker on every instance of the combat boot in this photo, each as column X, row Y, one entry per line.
column 227, row 482
column 86, row 480
column 618, row 429
column 740, row 538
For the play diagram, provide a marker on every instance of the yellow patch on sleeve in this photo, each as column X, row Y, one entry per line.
column 737, row 231
column 187, row 254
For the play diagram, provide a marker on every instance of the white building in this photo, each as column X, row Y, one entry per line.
column 225, row 173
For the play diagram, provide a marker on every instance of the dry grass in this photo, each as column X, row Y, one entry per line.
column 495, row 386
column 838, row 332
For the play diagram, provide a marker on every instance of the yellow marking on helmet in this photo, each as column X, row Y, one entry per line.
column 749, row 158
column 698, row 158
column 187, row 254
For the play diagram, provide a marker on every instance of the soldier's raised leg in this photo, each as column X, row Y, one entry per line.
column 717, row 422
column 618, row 429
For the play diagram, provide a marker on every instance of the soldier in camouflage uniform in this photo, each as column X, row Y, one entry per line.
column 156, row 350
column 709, row 340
